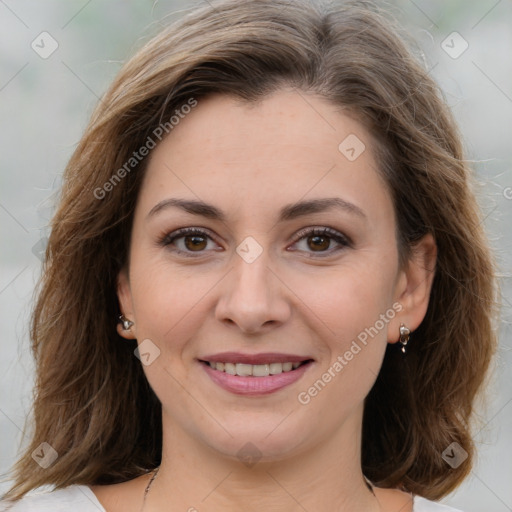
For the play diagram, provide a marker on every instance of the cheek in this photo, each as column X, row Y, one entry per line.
column 354, row 313
column 350, row 299
column 168, row 301
column 355, row 306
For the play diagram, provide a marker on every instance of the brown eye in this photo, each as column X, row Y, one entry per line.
column 195, row 242
column 319, row 240
column 186, row 241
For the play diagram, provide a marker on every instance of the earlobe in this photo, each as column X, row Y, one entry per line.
column 125, row 333
column 126, row 321
column 414, row 286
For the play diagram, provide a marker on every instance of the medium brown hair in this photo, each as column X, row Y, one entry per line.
column 93, row 404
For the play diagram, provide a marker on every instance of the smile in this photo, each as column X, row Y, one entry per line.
column 255, row 379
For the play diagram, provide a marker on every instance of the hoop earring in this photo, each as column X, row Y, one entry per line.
column 404, row 336
column 126, row 323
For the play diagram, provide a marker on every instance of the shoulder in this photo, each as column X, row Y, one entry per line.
column 424, row 505
column 78, row 498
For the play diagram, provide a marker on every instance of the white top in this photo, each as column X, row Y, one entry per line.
column 80, row 498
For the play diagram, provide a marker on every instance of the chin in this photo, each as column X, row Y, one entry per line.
column 260, row 444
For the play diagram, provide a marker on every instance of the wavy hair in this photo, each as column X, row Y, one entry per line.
column 92, row 402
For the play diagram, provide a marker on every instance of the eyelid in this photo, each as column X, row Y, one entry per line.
column 324, row 230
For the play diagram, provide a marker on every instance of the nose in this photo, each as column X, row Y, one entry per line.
column 253, row 297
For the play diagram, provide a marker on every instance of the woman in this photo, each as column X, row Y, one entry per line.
column 267, row 284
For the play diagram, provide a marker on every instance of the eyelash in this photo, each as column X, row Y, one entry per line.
column 338, row 237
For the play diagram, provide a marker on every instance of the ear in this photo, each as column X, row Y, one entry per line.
column 124, row 296
column 413, row 287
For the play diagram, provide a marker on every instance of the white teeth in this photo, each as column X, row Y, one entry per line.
column 276, row 368
column 254, row 370
column 244, row 370
column 230, row 368
column 261, row 370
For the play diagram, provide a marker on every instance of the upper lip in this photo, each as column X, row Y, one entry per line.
column 267, row 357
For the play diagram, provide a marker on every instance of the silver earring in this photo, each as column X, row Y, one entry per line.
column 126, row 323
column 404, row 336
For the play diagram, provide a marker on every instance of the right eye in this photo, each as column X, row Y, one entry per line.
column 187, row 241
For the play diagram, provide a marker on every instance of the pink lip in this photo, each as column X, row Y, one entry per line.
column 267, row 357
column 255, row 385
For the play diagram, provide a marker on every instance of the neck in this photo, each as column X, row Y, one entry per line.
column 326, row 476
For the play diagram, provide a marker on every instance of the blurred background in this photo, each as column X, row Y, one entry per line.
column 57, row 58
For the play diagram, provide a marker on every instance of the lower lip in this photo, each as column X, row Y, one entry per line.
column 253, row 386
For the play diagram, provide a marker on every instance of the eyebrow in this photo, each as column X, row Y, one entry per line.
column 288, row 212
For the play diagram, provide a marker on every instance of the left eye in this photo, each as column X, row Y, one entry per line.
column 322, row 238
column 195, row 240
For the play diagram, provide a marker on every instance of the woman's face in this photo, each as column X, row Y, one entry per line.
column 256, row 285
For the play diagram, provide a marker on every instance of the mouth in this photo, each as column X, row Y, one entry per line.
column 254, row 375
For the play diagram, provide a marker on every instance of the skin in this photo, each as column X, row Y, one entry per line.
column 300, row 297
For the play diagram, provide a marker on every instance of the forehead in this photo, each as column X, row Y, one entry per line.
column 285, row 118
column 285, row 147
